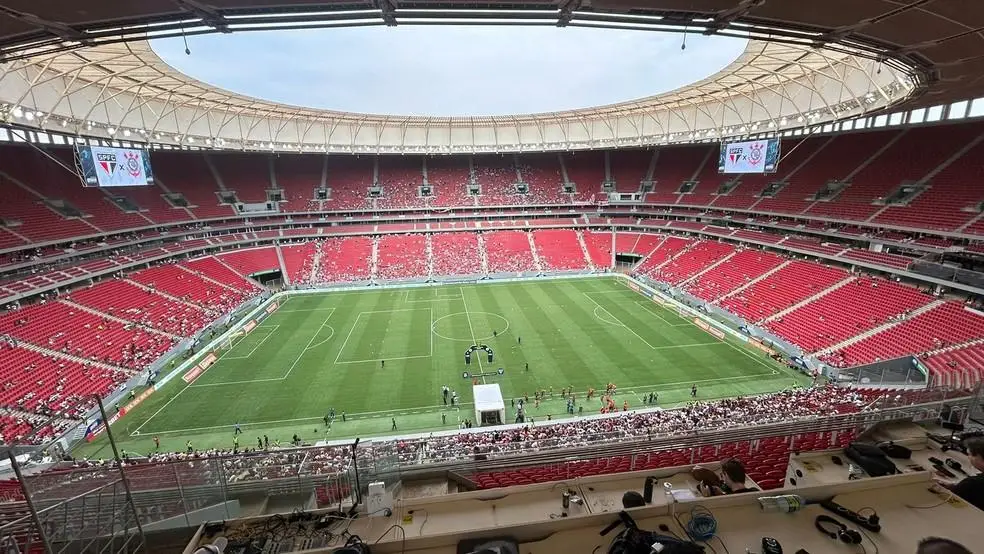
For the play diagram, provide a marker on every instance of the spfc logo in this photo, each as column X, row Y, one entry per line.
column 734, row 154
column 107, row 161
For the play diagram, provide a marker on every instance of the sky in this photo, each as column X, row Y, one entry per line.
column 449, row 71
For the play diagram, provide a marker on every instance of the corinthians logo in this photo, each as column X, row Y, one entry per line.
column 133, row 163
column 755, row 153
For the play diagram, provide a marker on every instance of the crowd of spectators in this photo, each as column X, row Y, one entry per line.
column 753, row 410
column 266, row 462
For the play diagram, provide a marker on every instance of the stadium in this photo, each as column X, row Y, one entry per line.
column 242, row 324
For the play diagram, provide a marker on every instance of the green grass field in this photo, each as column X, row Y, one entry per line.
column 324, row 351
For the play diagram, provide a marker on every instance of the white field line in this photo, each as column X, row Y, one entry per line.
column 356, row 324
column 358, row 415
column 645, row 306
column 271, row 330
column 308, row 345
column 471, row 330
column 627, row 328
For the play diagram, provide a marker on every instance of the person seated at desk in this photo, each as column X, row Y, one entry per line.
column 971, row 489
column 732, row 481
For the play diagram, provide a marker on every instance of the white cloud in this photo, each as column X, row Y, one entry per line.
column 450, row 71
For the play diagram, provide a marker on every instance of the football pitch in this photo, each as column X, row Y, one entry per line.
column 327, row 351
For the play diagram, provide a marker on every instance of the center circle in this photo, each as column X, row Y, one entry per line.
column 461, row 323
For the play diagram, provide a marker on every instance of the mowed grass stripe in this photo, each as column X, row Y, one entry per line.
column 609, row 352
column 564, row 342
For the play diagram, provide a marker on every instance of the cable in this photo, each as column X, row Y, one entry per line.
column 867, row 536
column 403, row 532
column 702, row 525
column 426, row 517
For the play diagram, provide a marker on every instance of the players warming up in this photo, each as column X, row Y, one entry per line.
column 693, row 391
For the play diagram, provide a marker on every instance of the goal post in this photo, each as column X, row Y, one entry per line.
column 230, row 340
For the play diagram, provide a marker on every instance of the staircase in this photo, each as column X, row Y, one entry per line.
column 563, row 169
column 956, row 347
column 519, row 174
column 611, row 263
column 215, row 172
column 117, row 319
column 374, row 260
column 694, row 277
column 947, row 162
column 536, row 255
column 272, row 169
column 584, row 249
column 976, row 218
column 816, row 296
column 430, row 255
column 62, row 355
column 685, row 250
column 651, row 170
column 483, row 254
column 753, row 281
column 650, row 253
column 809, row 158
column 236, row 271
column 315, row 263
column 207, row 278
column 16, row 234
column 283, row 264
column 878, row 212
column 31, row 415
column 168, row 296
column 873, row 157
column 160, row 184
column 883, row 327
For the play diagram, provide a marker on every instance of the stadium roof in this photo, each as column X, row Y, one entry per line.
column 88, row 69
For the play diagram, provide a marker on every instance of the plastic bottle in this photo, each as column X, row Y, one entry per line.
column 785, row 503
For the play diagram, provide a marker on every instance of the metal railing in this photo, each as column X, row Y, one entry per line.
column 107, row 508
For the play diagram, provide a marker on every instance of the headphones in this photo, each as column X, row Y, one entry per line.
column 841, row 531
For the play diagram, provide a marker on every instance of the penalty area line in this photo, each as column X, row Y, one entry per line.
column 357, row 415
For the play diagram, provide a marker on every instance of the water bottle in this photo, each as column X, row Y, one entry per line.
column 785, row 503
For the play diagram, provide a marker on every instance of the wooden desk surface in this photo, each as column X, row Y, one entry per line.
column 532, row 515
column 741, row 525
column 818, row 468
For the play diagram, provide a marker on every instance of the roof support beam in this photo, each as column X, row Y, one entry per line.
column 567, row 9
column 56, row 28
column 724, row 18
column 388, row 7
column 208, row 15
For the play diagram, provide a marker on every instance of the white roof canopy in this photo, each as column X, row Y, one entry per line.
column 488, row 398
column 110, row 90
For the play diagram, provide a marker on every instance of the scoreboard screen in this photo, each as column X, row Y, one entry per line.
column 753, row 156
column 104, row 166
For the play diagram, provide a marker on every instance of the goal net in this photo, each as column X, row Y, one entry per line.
column 232, row 339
